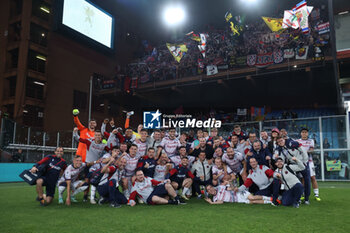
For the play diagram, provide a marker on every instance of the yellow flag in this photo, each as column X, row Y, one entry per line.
column 273, row 23
column 177, row 50
column 228, row 16
column 196, row 38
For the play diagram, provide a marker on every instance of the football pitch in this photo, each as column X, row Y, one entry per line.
column 21, row 213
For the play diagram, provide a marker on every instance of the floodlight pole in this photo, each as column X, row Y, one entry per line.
column 90, row 97
column 334, row 53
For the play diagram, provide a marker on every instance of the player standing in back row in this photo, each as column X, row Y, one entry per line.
column 308, row 145
column 85, row 133
column 169, row 144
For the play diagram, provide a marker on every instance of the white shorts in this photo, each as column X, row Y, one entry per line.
column 242, row 197
column 73, row 185
column 312, row 168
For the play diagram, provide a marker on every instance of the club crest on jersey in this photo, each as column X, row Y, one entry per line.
column 152, row 120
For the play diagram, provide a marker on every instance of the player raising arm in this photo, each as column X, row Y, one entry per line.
column 85, row 133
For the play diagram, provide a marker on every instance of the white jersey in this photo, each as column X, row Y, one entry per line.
column 235, row 163
column 170, row 146
column 159, row 172
column 94, row 151
column 216, row 171
column 141, row 147
column 112, row 141
column 97, row 166
column 239, row 147
column 114, row 174
column 71, row 173
column 306, row 145
column 222, row 194
column 177, row 160
column 143, row 189
column 131, row 164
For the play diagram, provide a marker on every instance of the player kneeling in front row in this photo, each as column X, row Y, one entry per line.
column 153, row 192
column 292, row 186
column 108, row 188
column 54, row 165
column 227, row 193
column 70, row 181
column 181, row 176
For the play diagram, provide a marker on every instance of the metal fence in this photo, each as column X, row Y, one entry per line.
column 33, row 143
column 330, row 133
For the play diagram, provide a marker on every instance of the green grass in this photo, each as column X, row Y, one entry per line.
column 20, row 213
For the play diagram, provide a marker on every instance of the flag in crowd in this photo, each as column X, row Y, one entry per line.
column 288, row 53
column 194, row 36
column 274, row 24
column 236, row 23
column 301, row 53
column 203, row 44
column 323, row 28
column 177, row 50
column 254, row 111
column 298, row 17
column 212, row 69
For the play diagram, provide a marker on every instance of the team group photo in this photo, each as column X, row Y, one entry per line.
column 174, row 116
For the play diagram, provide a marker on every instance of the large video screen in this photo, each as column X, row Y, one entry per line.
column 89, row 20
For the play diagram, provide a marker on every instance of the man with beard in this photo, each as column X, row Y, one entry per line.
column 147, row 163
column 153, row 192
column 108, row 187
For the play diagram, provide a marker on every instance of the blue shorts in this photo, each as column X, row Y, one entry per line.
column 86, row 173
column 158, row 191
column 178, row 180
column 265, row 192
column 50, row 184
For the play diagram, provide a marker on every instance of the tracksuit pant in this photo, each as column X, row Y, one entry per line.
column 292, row 196
column 198, row 183
column 110, row 191
column 307, row 181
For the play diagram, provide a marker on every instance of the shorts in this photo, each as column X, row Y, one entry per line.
column 73, row 185
column 158, row 191
column 86, row 172
column 178, row 180
column 265, row 192
column 50, row 184
column 312, row 169
column 242, row 197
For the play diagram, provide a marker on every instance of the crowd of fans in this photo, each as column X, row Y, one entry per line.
column 226, row 50
column 162, row 167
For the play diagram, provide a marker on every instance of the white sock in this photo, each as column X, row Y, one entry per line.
column 126, row 194
column 267, row 202
column 184, row 190
column 265, row 198
column 189, row 192
column 316, row 192
column 80, row 189
column 92, row 192
column 60, row 191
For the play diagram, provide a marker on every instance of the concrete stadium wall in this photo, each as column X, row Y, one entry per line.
column 9, row 172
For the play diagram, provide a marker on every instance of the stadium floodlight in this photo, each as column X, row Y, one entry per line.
column 250, row 1
column 174, row 15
